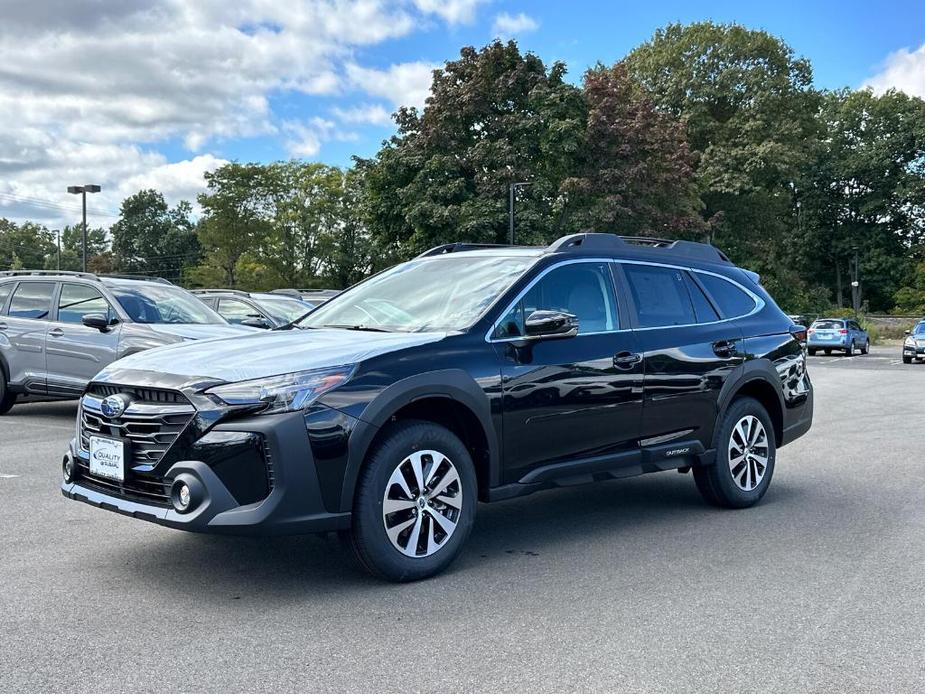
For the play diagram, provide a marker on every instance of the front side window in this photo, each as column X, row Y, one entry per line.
column 77, row 300
column 660, row 295
column 446, row 293
column 235, row 311
column 162, row 303
column 732, row 301
column 584, row 290
column 283, row 310
column 32, row 300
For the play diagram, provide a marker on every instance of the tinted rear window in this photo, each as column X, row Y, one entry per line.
column 732, row 301
column 660, row 296
column 32, row 300
column 828, row 325
column 702, row 306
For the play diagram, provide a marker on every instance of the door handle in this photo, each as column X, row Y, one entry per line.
column 56, row 332
column 724, row 348
column 2, row 325
column 626, row 360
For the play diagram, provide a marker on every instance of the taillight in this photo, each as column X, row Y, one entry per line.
column 798, row 332
column 843, row 331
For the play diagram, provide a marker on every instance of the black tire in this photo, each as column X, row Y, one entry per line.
column 715, row 482
column 827, row 351
column 370, row 541
column 907, row 360
column 849, row 350
column 812, row 351
column 7, row 399
column 866, row 348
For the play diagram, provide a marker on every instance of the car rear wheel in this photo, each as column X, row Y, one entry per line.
column 745, row 455
column 415, row 502
column 812, row 351
column 7, row 399
column 827, row 351
column 849, row 350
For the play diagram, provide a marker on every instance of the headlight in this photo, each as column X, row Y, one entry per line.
column 283, row 393
column 910, row 342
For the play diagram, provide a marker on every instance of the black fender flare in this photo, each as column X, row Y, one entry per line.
column 749, row 372
column 452, row 384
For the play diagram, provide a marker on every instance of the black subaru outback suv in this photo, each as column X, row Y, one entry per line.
column 467, row 374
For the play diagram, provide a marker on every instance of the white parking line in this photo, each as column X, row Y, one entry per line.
column 7, row 477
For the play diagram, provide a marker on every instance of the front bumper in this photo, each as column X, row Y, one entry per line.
column 913, row 350
column 294, row 505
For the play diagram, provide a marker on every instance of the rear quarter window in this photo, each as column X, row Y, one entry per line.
column 5, row 290
column 732, row 301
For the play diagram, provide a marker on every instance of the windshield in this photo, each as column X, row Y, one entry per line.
column 163, row 303
column 919, row 329
column 829, row 325
column 442, row 294
column 283, row 310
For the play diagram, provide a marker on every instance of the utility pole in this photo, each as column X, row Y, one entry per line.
column 58, row 232
column 512, row 192
column 855, row 285
column 82, row 191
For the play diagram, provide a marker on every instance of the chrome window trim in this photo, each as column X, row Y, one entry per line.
column 541, row 275
column 759, row 302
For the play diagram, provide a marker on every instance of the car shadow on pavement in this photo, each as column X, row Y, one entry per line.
column 222, row 569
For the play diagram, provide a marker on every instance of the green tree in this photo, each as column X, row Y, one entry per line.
column 237, row 211
column 152, row 238
column 750, row 111
column 24, row 246
column 494, row 117
column 865, row 194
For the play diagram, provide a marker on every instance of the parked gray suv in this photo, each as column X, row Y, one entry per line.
column 59, row 329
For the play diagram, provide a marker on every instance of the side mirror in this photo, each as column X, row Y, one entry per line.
column 100, row 321
column 261, row 323
column 908, row 332
column 550, row 325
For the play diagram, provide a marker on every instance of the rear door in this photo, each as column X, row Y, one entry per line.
column 24, row 326
column 76, row 353
column 689, row 352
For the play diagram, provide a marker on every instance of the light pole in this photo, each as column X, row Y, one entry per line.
column 855, row 285
column 82, row 191
column 512, row 192
column 58, row 232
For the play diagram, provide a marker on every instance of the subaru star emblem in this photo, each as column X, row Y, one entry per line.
column 114, row 405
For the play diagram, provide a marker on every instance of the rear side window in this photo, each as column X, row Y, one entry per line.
column 5, row 290
column 660, row 295
column 32, row 300
column 702, row 306
column 78, row 300
column 732, row 301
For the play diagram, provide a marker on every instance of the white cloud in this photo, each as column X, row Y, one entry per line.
column 903, row 70
column 403, row 84
column 374, row 114
column 509, row 25
column 90, row 87
column 453, row 11
column 306, row 137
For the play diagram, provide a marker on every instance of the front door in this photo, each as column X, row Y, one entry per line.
column 572, row 398
column 76, row 353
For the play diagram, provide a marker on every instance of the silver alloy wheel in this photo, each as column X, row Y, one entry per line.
column 422, row 503
column 748, row 452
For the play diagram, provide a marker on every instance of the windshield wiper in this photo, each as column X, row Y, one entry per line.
column 363, row 327
column 295, row 323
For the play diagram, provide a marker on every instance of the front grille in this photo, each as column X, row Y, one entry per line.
column 149, row 428
column 102, row 390
column 146, row 489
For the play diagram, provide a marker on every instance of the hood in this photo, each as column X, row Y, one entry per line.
column 266, row 353
column 200, row 331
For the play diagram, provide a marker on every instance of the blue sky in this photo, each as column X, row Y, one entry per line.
column 158, row 92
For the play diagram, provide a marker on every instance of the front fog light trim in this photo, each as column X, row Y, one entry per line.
column 186, row 493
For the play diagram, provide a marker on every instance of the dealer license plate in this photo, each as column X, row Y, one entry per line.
column 107, row 458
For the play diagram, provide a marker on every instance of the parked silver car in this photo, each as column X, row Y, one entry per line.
column 58, row 329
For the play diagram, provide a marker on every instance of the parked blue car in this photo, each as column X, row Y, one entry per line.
column 842, row 334
column 914, row 344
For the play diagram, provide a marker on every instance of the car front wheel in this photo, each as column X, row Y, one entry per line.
column 415, row 502
column 866, row 348
column 907, row 360
column 7, row 399
column 745, row 455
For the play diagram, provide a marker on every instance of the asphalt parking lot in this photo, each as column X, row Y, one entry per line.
column 632, row 585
